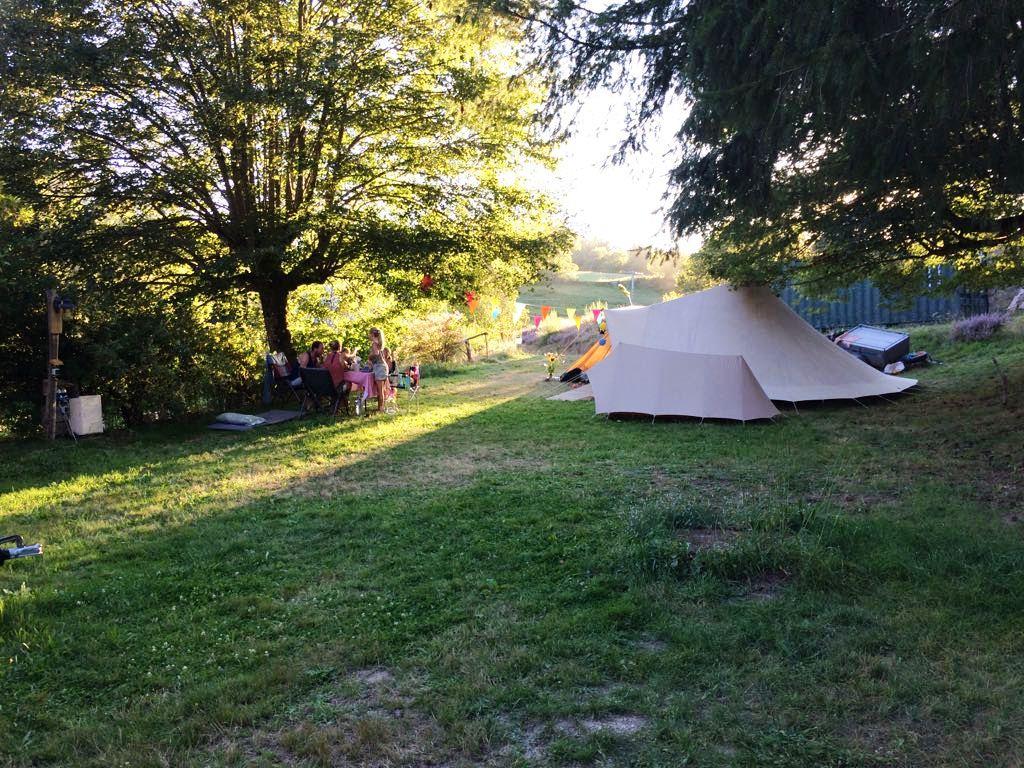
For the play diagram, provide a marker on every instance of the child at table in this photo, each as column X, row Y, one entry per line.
column 351, row 358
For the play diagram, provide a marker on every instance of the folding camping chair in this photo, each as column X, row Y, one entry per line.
column 319, row 386
column 282, row 381
column 409, row 380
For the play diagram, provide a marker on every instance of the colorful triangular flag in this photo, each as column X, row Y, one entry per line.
column 544, row 312
column 518, row 311
column 597, row 314
column 536, row 321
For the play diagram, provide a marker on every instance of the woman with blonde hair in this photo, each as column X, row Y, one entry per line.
column 380, row 366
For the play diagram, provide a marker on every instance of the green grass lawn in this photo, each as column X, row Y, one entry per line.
column 495, row 579
column 585, row 288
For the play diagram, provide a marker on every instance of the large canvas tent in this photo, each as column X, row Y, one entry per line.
column 724, row 353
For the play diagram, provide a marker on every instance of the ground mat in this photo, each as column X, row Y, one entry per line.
column 270, row 417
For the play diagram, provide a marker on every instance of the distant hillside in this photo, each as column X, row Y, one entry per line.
column 585, row 288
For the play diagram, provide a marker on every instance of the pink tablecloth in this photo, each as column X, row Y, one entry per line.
column 362, row 380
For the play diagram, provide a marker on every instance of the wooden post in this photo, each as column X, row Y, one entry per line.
column 54, row 327
column 469, row 352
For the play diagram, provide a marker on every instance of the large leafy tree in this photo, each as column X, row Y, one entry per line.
column 258, row 145
column 848, row 137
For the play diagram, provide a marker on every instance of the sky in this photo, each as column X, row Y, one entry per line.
column 622, row 204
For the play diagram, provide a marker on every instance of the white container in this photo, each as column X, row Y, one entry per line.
column 86, row 415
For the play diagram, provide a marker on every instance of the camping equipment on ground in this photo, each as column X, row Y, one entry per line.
column 912, row 359
column 86, row 414
column 588, row 359
column 319, row 386
column 875, row 346
column 278, row 378
column 266, row 419
column 781, row 358
column 585, row 392
column 20, row 548
column 240, row 419
column 679, row 384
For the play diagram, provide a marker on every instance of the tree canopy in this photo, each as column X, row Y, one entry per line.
column 843, row 139
column 219, row 146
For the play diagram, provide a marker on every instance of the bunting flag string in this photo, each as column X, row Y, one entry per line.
column 520, row 308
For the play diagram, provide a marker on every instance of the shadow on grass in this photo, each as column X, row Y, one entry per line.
column 496, row 572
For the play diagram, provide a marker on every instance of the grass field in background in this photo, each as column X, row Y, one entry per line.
column 585, row 288
column 493, row 579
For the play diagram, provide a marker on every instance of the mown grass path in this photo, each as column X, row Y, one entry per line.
column 495, row 579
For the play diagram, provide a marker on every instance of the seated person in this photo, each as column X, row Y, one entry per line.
column 350, row 357
column 313, row 358
column 335, row 363
column 334, row 357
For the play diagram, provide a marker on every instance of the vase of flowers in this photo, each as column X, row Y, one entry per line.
column 550, row 359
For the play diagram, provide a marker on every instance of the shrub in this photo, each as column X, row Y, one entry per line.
column 437, row 337
column 977, row 327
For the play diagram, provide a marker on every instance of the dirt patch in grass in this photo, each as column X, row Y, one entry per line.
column 650, row 645
column 709, row 539
column 765, row 588
column 617, row 725
column 1004, row 489
column 366, row 719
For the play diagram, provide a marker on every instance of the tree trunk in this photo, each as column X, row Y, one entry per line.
column 274, row 303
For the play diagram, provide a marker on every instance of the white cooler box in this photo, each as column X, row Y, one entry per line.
column 86, row 415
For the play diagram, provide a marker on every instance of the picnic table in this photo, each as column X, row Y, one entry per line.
column 362, row 379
